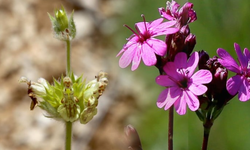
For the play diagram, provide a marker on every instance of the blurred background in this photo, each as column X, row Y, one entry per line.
column 29, row 49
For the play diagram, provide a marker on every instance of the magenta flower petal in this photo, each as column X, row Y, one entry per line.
column 136, row 60
column 242, row 59
column 227, row 60
column 181, row 60
column 167, row 100
column 161, row 102
column 175, row 93
column 127, row 57
column 166, row 24
column 202, row 77
column 170, row 69
column 233, row 84
column 192, row 63
column 246, row 53
column 158, row 46
column 163, row 13
column 158, row 23
column 163, row 80
column 198, row 89
column 180, row 105
column 148, row 56
column 192, row 101
column 244, row 93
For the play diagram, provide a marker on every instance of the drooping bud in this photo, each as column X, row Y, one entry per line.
column 63, row 27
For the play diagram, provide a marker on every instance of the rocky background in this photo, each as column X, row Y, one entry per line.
column 27, row 48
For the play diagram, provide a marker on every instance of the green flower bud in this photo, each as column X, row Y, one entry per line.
column 64, row 28
column 68, row 99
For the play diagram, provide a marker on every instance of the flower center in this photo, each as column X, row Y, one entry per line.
column 183, row 83
column 246, row 71
column 142, row 37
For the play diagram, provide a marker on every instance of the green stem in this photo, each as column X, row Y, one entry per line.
column 68, row 51
column 68, row 128
column 170, row 128
column 68, row 135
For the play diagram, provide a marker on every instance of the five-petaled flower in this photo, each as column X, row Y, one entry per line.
column 142, row 43
column 240, row 82
column 182, row 86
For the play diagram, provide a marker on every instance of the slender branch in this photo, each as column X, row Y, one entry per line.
column 68, row 52
column 170, row 128
column 68, row 131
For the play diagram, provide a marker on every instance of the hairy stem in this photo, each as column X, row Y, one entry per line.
column 68, row 52
column 170, row 128
column 68, row 130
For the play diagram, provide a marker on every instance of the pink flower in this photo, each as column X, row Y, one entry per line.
column 240, row 82
column 142, row 43
column 183, row 16
column 183, row 86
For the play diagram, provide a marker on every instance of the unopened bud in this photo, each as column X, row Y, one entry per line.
column 63, row 27
column 133, row 138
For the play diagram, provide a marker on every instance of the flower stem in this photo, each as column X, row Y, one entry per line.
column 68, row 130
column 205, row 138
column 68, row 124
column 68, row 52
column 170, row 128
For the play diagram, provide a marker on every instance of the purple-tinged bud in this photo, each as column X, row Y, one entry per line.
column 133, row 139
column 204, row 57
column 182, row 41
column 217, row 87
column 189, row 43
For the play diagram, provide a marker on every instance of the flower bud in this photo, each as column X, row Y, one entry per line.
column 182, row 41
column 63, row 27
column 217, row 87
column 189, row 43
column 204, row 57
column 133, row 138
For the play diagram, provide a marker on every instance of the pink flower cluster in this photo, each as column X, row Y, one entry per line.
column 177, row 63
